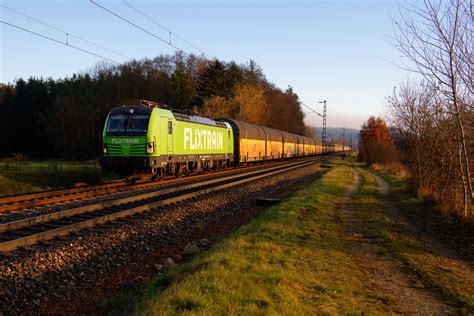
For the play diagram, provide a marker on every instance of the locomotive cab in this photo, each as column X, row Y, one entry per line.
column 125, row 131
column 127, row 143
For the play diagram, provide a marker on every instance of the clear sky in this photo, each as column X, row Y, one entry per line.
column 326, row 50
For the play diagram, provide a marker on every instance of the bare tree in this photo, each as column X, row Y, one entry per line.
column 425, row 136
column 437, row 40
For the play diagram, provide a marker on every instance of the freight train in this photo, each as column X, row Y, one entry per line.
column 151, row 139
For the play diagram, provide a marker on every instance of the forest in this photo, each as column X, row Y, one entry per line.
column 63, row 119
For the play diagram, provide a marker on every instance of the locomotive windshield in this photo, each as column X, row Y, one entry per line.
column 128, row 124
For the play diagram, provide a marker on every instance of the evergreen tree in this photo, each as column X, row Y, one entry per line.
column 214, row 81
column 182, row 90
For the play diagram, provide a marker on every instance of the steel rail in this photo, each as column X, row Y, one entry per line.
column 210, row 186
column 19, row 202
column 46, row 194
column 4, row 227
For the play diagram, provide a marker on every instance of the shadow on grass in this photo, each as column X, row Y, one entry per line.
column 434, row 269
column 32, row 180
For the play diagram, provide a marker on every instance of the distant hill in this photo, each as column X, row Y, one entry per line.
column 335, row 133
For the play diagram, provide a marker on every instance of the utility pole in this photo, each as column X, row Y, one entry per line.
column 343, row 138
column 324, row 136
column 351, row 145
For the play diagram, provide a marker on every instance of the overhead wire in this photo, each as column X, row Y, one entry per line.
column 58, row 41
column 135, row 25
column 109, row 50
column 154, row 35
column 68, row 34
column 66, row 43
column 313, row 111
column 163, row 27
column 192, row 82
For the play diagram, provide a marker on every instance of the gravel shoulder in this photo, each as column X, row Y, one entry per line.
column 75, row 274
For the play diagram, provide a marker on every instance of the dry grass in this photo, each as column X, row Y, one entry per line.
column 428, row 261
column 397, row 169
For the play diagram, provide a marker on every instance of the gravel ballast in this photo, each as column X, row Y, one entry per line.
column 125, row 192
column 73, row 274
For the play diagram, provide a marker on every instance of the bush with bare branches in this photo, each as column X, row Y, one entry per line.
column 426, row 136
column 436, row 117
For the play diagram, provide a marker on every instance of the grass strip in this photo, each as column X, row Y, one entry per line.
column 31, row 180
column 432, row 268
column 292, row 260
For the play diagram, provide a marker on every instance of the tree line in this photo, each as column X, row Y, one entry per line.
column 63, row 118
column 433, row 118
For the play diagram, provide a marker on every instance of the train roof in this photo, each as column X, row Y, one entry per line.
column 126, row 109
column 197, row 119
column 179, row 116
column 253, row 131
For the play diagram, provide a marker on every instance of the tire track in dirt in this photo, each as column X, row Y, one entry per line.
column 446, row 257
column 385, row 273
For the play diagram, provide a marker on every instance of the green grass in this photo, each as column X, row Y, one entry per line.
column 16, row 178
column 450, row 278
column 291, row 260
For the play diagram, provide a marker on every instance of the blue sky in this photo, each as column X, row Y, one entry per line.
column 332, row 50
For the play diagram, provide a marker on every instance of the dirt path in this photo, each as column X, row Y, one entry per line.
column 459, row 270
column 384, row 272
column 431, row 244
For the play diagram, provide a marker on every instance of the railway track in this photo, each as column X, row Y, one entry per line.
column 29, row 231
column 16, row 203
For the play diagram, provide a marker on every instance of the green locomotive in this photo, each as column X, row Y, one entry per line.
column 149, row 138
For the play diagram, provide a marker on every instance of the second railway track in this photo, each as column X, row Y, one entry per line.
column 29, row 231
column 22, row 202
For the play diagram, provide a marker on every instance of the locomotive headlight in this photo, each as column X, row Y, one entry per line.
column 104, row 149
column 150, row 148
